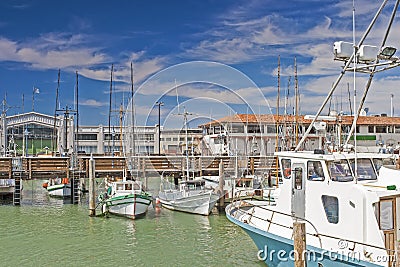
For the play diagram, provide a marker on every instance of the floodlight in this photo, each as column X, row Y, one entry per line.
column 387, row 52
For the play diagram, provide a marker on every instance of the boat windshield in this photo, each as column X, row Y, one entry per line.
column 365, row 169
column 340, row 171
column 378, row 163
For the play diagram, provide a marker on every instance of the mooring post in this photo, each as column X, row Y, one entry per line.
column 299, row 243
column 221, row 185
column 92, row 192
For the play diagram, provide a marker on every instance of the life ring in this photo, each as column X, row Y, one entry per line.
column 287, row 172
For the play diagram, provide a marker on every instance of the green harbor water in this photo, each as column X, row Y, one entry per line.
column 44, row 231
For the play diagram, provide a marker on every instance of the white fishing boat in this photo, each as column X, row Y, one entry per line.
column 191, row 196
column 348, row 201
column 350, row 215
column 125, row 198
column 57, row 187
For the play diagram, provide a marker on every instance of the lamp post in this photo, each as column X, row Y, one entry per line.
column 159, row 104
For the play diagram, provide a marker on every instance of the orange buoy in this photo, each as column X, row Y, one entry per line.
column 45, row 185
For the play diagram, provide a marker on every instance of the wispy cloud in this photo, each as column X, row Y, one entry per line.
column 51, row 52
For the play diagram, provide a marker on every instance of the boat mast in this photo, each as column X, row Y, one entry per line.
column 277, row 121
column 77, row 116
column 110, row 107
column 296, row 90
column 132, row 114
column 54, row 139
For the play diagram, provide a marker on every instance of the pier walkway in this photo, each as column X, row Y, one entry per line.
column 45, row 167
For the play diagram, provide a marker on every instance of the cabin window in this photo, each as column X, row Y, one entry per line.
column 286, row 168
column 378, row 163
column 298, row 176
column 331, row 207
column 340, row 171
column 386, row 215
column 365, row 170
column 315, row 171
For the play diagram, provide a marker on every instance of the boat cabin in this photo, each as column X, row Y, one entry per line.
column 342, row 195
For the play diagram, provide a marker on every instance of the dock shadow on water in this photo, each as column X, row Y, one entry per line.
column 46, row 231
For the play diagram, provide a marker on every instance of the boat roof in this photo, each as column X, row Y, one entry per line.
column 320, row 155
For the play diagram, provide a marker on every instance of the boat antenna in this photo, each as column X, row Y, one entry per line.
column 348, row 91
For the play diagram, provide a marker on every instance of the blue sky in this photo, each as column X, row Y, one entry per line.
column 211, row 58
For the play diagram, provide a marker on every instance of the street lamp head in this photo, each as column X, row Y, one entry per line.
column 160, row 103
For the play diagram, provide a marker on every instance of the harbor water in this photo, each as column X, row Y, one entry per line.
column 44, row 231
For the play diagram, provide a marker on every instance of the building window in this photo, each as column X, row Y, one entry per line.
column 237, row 129
column 371, row 129
column 87, row 137
column 380, row 129
column 271, row 129
column 254, row 129
column 331, row 207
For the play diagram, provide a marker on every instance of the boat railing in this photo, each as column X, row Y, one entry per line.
column 250, row 211
column 7, row 182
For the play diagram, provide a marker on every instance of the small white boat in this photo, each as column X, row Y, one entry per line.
column 245, row 187
column 125, row 198
column 190, row 197
column 58, row 187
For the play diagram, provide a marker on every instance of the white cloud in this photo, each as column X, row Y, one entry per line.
column 92, row 103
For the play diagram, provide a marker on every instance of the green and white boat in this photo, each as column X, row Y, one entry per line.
column 125, row 198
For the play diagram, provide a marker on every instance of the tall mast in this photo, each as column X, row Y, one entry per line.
column 77, row 113
column 132, row 114
column 277, row 106
column 297, row 96
column 110, row 107
column 54, row 139
column 277, row 122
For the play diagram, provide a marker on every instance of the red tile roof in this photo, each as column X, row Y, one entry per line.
column 270, row 118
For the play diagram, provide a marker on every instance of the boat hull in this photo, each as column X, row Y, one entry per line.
column 59, row 190
column 131, row 206
column 277, row 251
column 201, row 204
column 7, row 187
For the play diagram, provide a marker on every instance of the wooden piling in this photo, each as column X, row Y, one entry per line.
column 92, row 192
column 299, row 243
column 221, row 185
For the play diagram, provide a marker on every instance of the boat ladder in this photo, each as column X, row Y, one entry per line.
column 17, row 192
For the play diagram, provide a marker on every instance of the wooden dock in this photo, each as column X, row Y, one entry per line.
column 45, row 167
